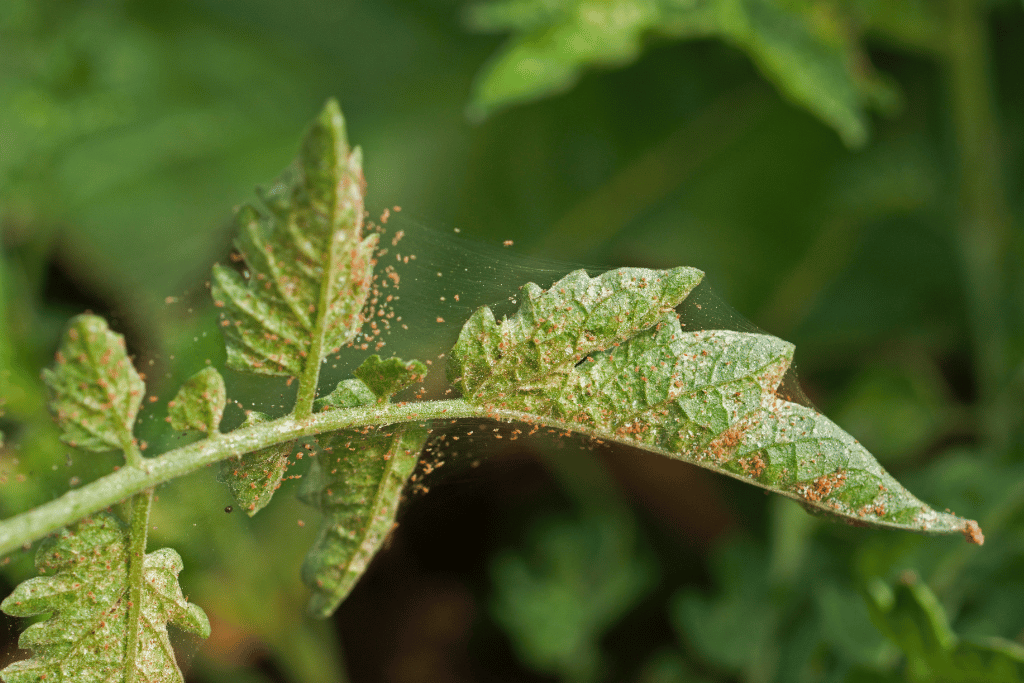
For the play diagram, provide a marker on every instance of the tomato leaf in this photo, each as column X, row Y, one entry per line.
column 94, row 390
column 308, row 267
column 85, row 588
column 603, row 356
column 199, row 404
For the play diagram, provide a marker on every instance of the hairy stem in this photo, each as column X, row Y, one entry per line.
column 141, row 505
column 132, row 454
column 128, row 481
column 311, row 372
column 29, row 526
column 309, row 380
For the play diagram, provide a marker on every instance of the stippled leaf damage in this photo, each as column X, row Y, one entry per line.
column 356, row 481
column 308, row 267
column 628, row 372
column 85, row 588
column 253, row 478
column 94, row 389
column 199, row 404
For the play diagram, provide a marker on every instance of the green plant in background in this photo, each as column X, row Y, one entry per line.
column 602, row 356
column 910, row 616
column 807, row 49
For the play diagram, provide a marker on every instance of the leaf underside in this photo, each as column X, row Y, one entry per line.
column 199, row 404
column 253, row 478
column 84, row 586
column 94, row 390
column 706, row 397
column 357, row 482
column 308, row 267
column 386, row 378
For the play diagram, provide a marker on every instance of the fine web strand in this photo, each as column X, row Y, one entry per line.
column 436, row 280
column 440, row 278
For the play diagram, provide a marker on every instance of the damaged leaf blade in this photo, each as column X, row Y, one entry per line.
column 308, row 267
column 84, row 586
column 795, row 450
column 706, row 397
column 356, row 481
column 199, row 404
column 94, row 390
column 350, row 393
column 386, row 378
column 558, row 327
column 254, row 477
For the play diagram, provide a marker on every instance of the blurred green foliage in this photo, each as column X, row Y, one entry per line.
column 736, row 136
column 809, row 50
column 912, row 617
column 573, row 579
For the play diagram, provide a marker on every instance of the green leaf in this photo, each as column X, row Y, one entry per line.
column 94, row 390
column 793, row 449
column 575, row 578
column 199, row 404
column 308, row 268
column 911, row 616
column 534, row 351
column 813, row 59
column 84, row 587
column 254, row 477
column 810, row 51
column 554, row 41
column 729, row 629
column 387, row 378
column 706, row 397
column 350, row 393
column 356, row 481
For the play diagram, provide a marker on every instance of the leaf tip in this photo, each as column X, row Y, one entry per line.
column 330, row 122
column 972, row 532
column 331, row 110
column 330, row 125
column 686, row 277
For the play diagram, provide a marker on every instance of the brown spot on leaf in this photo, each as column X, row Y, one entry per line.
column 823, row 486
column 972, row 532
column 723, row 446
column 754, row 466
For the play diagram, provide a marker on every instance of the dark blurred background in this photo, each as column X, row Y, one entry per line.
column 847, row 172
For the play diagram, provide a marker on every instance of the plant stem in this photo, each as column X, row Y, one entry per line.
column 141, row 504
column 132, row 454
column 984, row 217
column 127, row 481
column 311, row 372
column 308, row 383
column 29, row 526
